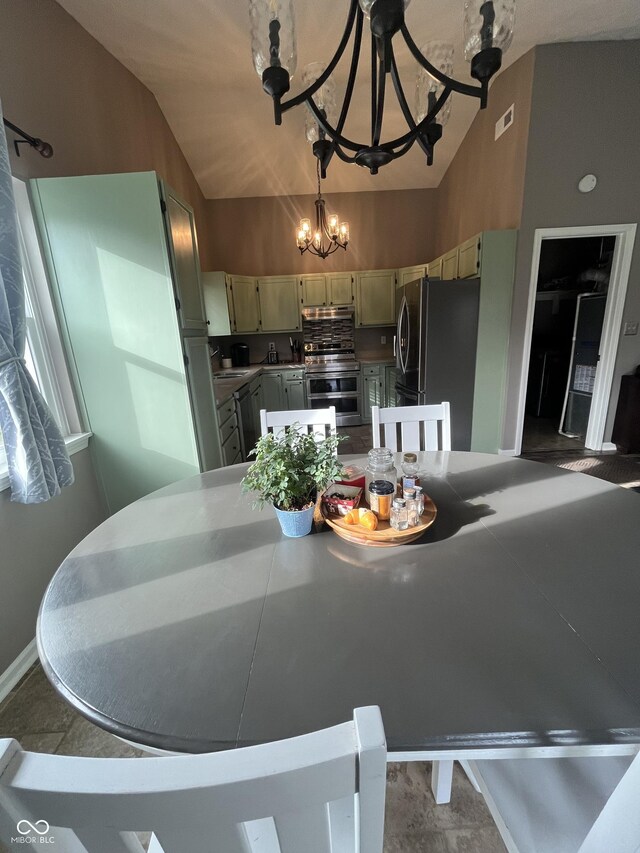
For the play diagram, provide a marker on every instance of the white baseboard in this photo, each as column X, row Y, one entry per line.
column 608, row 445
column 14, row 672
column 502, row 452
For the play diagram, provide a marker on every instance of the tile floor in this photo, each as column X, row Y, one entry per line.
column 42, row 722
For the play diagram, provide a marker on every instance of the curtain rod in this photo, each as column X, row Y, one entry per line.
column 42, row 147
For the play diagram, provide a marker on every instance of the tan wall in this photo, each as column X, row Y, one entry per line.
column 58, row 83
column 256, row 236
column 483, row 187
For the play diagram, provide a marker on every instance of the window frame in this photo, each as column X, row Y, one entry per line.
column 44, row 341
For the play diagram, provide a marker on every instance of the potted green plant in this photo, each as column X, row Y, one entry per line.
column 288, row 471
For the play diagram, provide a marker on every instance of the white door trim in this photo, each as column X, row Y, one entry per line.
column 618, row 282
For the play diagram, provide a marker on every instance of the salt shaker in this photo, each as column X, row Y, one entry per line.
column 398, row 519
column 420, row 500
column 413, row 517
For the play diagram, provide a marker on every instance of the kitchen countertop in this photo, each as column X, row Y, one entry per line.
column 226, row 388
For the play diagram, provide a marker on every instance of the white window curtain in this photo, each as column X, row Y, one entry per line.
column 37, row 458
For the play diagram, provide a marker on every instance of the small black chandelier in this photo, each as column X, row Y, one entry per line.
column 488, row 30
column 330, row 229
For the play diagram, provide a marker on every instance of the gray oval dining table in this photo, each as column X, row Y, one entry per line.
column 187, row 622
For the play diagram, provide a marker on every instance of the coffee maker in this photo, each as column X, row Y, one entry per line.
column 240, row 355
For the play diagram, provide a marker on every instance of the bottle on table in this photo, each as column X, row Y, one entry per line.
column 410, row 469
column 399, row 519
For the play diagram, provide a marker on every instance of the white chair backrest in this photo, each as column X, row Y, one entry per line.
column 417, row 425
column 319, row 793
column 320, row 422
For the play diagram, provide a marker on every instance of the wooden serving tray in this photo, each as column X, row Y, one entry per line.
column 385, row 536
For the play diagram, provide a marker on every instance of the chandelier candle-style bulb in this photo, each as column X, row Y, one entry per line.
column 334, row 224
column 344, row 233
column 488, row 31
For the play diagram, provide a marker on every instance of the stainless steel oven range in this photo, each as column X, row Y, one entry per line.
column 332, row 372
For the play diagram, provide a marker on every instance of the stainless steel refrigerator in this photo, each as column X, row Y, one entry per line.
column 435, row 347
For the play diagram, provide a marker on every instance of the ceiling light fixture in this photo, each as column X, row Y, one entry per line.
column 327, row 228
column 488, row 30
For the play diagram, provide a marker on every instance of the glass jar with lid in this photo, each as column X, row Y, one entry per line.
column 380, row 466
column 410, row 470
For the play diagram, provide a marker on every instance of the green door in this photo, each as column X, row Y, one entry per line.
column 279, row 310
column 376, row 298
column 244, row 299
column 370, row 395
column 314, row 290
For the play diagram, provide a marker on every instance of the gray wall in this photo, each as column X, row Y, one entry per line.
column 584, row 118
column 34, row 541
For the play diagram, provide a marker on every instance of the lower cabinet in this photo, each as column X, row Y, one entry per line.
column 378, row 388
column 230, row 445
column 372, row 390
column 282, row 390
column 390, row 386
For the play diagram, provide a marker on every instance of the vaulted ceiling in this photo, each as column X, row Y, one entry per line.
column 195, row 56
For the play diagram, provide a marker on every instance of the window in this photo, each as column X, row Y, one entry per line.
column 44, row 352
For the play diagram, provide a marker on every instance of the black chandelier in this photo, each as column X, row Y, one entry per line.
column 331, row 229
column 488, row 26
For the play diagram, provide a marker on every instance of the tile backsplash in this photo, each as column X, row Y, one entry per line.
column 368, row 344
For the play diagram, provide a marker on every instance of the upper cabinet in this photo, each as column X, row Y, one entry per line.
column 339, row 288
column 434, row 269
column 214, row 290
column 330, row 289
column 469, row 257
column 278, row 300
column 408, row 274
column 183, row 253
column 313, row 291
column 450, row 265
column 375, row 298
column 242, row 299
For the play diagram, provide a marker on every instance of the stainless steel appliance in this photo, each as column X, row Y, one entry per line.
column 435, row 349
column 332, row 372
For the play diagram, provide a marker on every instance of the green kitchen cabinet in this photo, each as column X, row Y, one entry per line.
column 214, row 290
column 375, row 298
column 469, row 257
column 242, row 299
column 390, row 386
column 313, row 291
column 141, row 374
column 407, row 274
column 272, row 391
column 183, row 257
column 339, row 288
column 372, row 389
column 293, row 383
column 279, row 307
column 257, row 403
column 450, row 265
column 434, row 268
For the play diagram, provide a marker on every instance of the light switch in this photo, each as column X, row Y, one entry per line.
column 631, row 328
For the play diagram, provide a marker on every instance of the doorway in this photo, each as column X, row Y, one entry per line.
column 571, row 292
column 578, row 286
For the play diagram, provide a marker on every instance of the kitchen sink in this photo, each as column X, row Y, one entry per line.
column 230, row 374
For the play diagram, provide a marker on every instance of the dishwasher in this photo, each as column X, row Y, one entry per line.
column 244, row 412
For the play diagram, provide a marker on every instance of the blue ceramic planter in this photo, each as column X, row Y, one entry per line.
column 296, row 523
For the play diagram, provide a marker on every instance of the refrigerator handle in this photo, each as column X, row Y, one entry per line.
column 403, row 345
column 394, row 346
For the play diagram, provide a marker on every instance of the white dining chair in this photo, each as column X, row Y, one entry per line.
column 322, row 792
column 320, row 422
column 417, row 426
column 586, row 804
